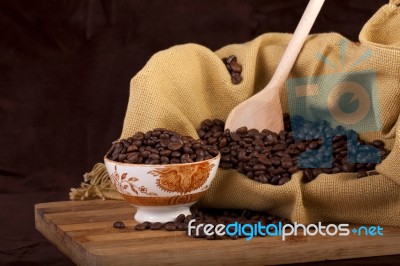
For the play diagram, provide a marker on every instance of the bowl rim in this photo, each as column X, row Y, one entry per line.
column 161, row 165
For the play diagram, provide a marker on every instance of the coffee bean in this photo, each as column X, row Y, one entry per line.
column 241, row 155
column 275, row 179
column 137, row 142
column 156, row 226
column 313, row 145
column 154, row 156
column 259, row 167
column 236, row 78
column 293, row 169
column 279, row 147
column 133, row 157
column 145, row 154
column 132, row 148
column 252, row 161
column 231, row 59
column 308, row 174
column 372, row 172
column 283, row 180
column 225, row 150
column 201, row 133
column 181, row 226
column 174, row 146
column 264, row 160
column 241, row 130
column 378, row 143
column 117, row 150
column 338, row 144
column 236, row 67
column 226, row 158
column 278, row 171
column 119, row 225
column 276, row 161
column 362, row 174
column 147, row 225
column 170, row 226
column 250, row 174
column 140, row 227
column 361, row 166
column 349, row 167
column 287, row 164
column 266, row 179
column 235, row 137
column 122, row 157
column 223, row 143
column 316, row 172
column 180, row 218
column 301, row 146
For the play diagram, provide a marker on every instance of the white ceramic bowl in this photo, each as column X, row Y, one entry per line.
column 162, row 192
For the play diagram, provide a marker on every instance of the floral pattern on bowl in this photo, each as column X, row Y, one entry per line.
column 161, row 192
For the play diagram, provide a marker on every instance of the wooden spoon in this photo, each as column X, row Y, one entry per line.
column 263, row 110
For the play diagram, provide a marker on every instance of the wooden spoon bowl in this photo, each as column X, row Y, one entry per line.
column 263, row 110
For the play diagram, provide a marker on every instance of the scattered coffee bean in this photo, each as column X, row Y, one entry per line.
column 146, row 225
column 234, row 68
column 236, row 78
column 170, row 226
column 180, row 218
column 156, row 226
column 140, row 227
column 119, row 225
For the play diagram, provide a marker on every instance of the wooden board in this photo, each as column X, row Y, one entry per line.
column 83, row 231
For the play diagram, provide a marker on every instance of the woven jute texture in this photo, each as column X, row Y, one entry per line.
column 181, row 86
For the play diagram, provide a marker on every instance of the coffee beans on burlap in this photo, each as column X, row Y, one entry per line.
column 265, row 156
column 269, row 157
column 214, row 217
column 234, row 68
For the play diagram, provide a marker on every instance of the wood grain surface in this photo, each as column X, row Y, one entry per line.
column 83, row 231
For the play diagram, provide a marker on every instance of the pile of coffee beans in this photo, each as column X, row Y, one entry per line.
column 265, row 156
column 213, row 216
column 234, row 68
column 268, row 157
column 161, row 146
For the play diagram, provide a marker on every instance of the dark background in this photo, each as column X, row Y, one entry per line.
column 65, row 68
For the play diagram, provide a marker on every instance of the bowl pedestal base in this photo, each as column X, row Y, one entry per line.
column 161, row 214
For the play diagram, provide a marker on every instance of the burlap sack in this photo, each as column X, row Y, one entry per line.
column 183, row 85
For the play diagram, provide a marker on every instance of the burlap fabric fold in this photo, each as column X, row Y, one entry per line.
column 181, row 86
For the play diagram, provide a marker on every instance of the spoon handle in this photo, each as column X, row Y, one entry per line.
column 295, row 44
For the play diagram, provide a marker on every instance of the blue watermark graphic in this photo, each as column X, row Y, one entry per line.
column 337, row 104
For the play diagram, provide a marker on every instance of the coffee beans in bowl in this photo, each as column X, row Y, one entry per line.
column 161, row 172
column 161, row 146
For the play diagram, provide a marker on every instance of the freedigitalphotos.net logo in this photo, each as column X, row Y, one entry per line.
column 283, row 230
column 347, row 100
